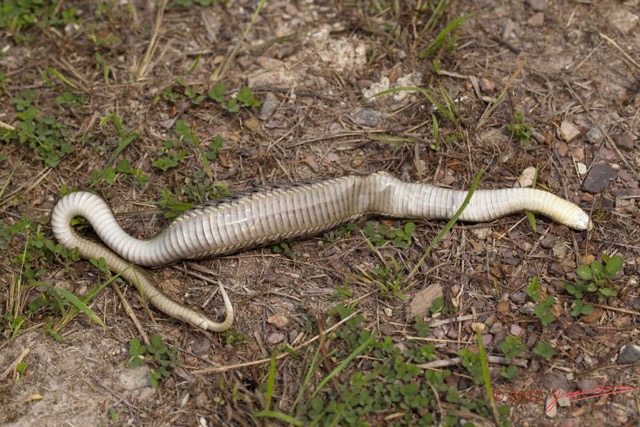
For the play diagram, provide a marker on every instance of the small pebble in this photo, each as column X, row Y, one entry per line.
column 599, row 178
column 487, row 86
column 568, row 130
column 582, row 168
column 275, row 338
column 626, row 141
column 279, row 320
column 526, row 177
column 537, row 5
column 594, row 135
column 516, row 330
column 519, row 297
column 577, row 153
column 537, row 20
column 367, row 117
column 269, row 106
column 623, row 20
column 629, row 353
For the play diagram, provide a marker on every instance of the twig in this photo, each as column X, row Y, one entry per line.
column 153, row 43
column 132, row 315
column 220, row 72
column 15, row 363
column 455, row 361
column 617, row 46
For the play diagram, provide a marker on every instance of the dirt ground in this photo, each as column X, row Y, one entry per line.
column 571, row 68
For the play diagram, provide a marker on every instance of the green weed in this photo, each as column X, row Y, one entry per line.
column 170, row 203
column 511, row 347
column 200, row 188
column 169, row 155
column 161, row 358
column 375, row 379
column 596, row 281
column 379, row 234
column 18, row 15
column 233, row 337
column 109, row 174
column 284, row 248
column 49, row 139
column 544, row 306
column 446, row 38
column 244, row 98
column 544, row 349
column 520, row 129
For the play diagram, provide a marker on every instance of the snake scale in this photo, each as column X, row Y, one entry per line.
column 277, row 213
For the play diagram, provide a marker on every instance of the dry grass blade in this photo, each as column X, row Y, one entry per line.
column 621, row 50
column 153, row 43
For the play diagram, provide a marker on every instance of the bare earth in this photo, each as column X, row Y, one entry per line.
column 571, row 67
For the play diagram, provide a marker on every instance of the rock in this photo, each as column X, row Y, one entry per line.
column 269, row 106
column 279, row 320
column 548, row 241
column 275, row 338
column 509, row 31
column 516, row 330
column 577, row 154
column 201, row 346
column 629, row 353
column 422, row 302
column 537, row 5
column 519, row 297
column 537, row 20
column 555, row 381
column 594, row 135
column 367, row 117
column 527, row 309
column 568, row 130
column 559, row 250
column 551, row 409
column 626, row 141
column 562, row 148
column 582, row 168
column 487, row 340
column 526, row 177
column 599, row 178
column 623, row 20
column 487, row 86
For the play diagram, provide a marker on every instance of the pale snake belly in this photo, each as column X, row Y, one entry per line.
column 278, row 213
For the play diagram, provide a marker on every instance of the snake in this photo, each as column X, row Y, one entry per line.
column 280, row 212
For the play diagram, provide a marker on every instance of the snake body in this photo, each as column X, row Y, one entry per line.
column 278, row 213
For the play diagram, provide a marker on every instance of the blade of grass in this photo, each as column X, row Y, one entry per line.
column 222, row 70
column 343, row 364
column 449, row 225
column 79, row 304
column 487, row 378
column 271, row 382
column 59, row 76
column 442, row 35
column 279, row 416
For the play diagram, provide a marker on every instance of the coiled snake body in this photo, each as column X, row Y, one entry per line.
column 281, row 212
